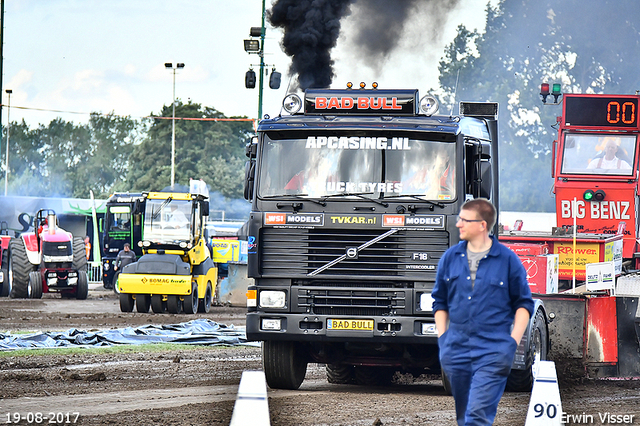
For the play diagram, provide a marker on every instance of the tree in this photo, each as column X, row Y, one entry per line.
column 67, row 160
column 524, row 44
column 205, row 149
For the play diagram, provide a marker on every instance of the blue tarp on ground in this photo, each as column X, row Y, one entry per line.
column 196, row 332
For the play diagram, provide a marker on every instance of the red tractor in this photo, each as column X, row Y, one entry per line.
column 49, row 259
column 5, row 288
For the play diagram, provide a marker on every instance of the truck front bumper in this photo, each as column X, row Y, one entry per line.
column 339, row 328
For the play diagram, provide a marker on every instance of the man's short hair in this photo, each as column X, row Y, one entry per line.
column 127, row 245
column 485, row 210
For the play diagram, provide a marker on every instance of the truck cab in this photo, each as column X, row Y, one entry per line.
column 354, row 197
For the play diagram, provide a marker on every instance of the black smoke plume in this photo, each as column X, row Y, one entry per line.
column 311, row 29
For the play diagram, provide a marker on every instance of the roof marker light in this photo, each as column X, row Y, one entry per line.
column 429, row 105
column 292, row 103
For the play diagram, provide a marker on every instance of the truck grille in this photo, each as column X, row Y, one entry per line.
column 294, row 253
column 352, row 302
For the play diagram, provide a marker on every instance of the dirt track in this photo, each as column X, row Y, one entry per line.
column 198, row 386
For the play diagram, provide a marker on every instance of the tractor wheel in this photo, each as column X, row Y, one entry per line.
column 191, row 300
column 143, row 302
column 79, row 255
column 174, row 304
column 522, row 380
column 126, row 302
column 19, row 269
column 340, row 374
column 35, row 285
column 157, row 305
column 284, row 365
column 82, row 288
column 5, row 288
column 205, row 304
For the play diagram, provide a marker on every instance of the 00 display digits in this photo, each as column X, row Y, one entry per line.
column 601, row 111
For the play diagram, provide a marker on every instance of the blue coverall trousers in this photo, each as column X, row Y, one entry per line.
column 477, row 365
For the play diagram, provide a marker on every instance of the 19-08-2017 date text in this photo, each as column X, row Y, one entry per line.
column 41, row 418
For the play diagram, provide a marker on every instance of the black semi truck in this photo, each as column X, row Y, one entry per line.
column 355, row 195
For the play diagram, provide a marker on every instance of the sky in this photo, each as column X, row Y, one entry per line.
column 67, row 58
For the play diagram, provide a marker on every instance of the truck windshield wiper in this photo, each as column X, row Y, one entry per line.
column 356, row 194
column 298, row 197
column 418, row 197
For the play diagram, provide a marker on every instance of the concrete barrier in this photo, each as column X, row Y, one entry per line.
column 252, row 406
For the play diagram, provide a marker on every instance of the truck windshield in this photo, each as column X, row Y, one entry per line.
column 119, row 218
column 597, row 154
column 167, row 221
column 371, row 166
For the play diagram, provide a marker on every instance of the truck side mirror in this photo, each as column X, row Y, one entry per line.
column 249, row 177
column 251, row 148
column 486, row 184
column 205, row 208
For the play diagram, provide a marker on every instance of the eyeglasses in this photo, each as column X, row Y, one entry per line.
column 463, row 220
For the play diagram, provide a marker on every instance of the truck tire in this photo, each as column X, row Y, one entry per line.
column 522, row 380
column 116, row 289
column 35, row 285
column 19, row 269
column 143, row 303
column 79, row 255
column 82, row 288
column 205, row 304
column 340, row 374
column 126, row 302
column 284, row 366
column 191, row 300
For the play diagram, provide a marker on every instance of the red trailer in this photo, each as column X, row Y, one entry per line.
column 596, row 185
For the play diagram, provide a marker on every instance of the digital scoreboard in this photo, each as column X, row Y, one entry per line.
column 601, row 111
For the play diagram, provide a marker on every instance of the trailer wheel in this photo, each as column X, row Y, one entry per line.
column 205, row 304
column 143, row 303
column 126, row 302
column 522, row 380
column 284, row 365
column 35, row 285
column 157, row 305
column 82, row 288
column 174, row 304
column 191, row 300
column 340, row 374
column 19, row 268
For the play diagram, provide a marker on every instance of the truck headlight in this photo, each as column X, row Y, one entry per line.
column 426, row 302
column 272, row 299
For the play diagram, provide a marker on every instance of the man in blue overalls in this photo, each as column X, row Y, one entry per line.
column 481, row 288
